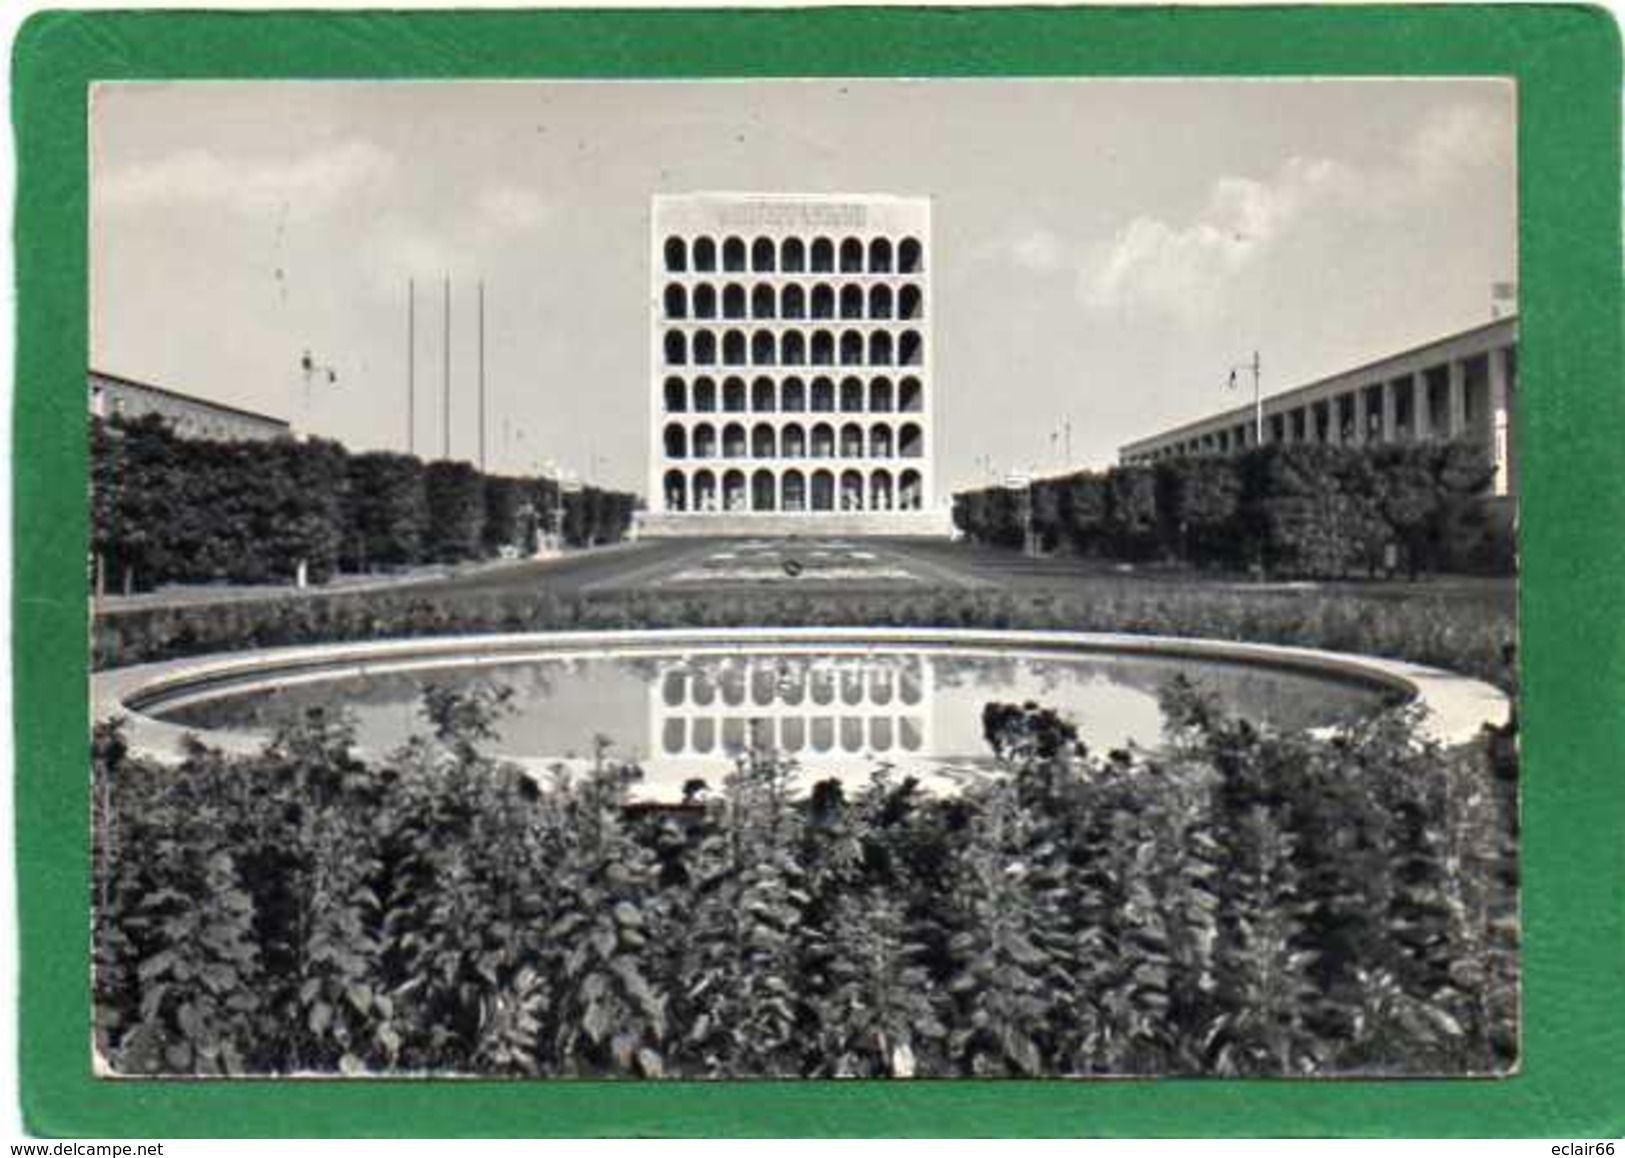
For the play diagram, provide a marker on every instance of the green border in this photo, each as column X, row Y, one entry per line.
column 1566, row 60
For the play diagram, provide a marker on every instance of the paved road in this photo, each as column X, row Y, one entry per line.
column 855, row 566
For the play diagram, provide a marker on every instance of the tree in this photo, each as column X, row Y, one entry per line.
column 456, row 501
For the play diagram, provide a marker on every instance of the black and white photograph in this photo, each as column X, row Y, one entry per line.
column 804, row 578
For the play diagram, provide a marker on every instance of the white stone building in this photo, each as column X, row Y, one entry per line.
column 1463, row 385
column 791, row 370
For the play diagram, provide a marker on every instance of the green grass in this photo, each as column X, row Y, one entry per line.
column 1469, row 628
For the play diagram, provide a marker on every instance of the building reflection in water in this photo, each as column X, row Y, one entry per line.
column 813, row 708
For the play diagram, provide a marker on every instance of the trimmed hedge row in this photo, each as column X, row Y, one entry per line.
column 1239, row 902
column 1470, row 635
column 1305, row 510
column 166, row 509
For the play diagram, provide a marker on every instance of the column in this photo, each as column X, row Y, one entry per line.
column 1421, row 418
column 1361, row 422
column 1390, row 412
column 1458, row 399
column 1334, row 421
column 1498, row 417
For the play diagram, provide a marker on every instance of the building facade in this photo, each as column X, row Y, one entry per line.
column 1461, row 386
column 189, row 417
column 791, row 369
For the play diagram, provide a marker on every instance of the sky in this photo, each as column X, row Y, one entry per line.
column 1103, row 251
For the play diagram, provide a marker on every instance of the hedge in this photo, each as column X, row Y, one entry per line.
column 172, row 510
column 1299, row 510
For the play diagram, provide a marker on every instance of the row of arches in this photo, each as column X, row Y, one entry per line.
column 792, row 735
column 823, row 440
column 793, row 491
column 794, row 302
column 793, row 396
column 793, row 255
column 794, row 348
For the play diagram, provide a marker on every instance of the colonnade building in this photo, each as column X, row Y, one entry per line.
column 790, row 366
column 1460, row 386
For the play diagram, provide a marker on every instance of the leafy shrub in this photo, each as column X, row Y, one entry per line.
column 1469, row 635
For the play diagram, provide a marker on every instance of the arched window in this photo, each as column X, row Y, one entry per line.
column 793, row 441
column 676, row 441
column 676, row 396
column 794, row 256
column 676, row 302
column 761, row 255
column 823, row 303
column 793, row 491
column 734, row 497
column 852, row 302
column 795, row 302
column 823, row 396
column 793, row 349
column 676, row 255
column 908, row 302
column 705, row 301
column 908, row 256
column 880, row 441
column 823, row 348
column 733, row 440
column 910, row 397
column 705, row 255
column 910, row 441
column 676, row 348
column 705, row 348
column 880, row 351
column 793, row 398
column 880, row 256
column 851, row 256
column 763, row 490
column 823, row 256
column 851, row 440
column 823, row 494
column 761, row 302
column 733, row 348
column 705, row 442
column 676, row 488
column 733, row 301
column 705, row 395
column 733, row 256
column 880, row 399
column 761, row 348
column 910, row 348
column 909, row 493
column 852, row 348
column 733, row 395
column 761, row 396
column 851, row 394
column 823, row 441
column 851, row 492
column 880, row 302
column 763, row 443
column 880, row 498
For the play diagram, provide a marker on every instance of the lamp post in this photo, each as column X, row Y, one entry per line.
column 1258, row 396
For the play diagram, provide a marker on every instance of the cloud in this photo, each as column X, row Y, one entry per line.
column 308, row 185
column 1184, row 269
